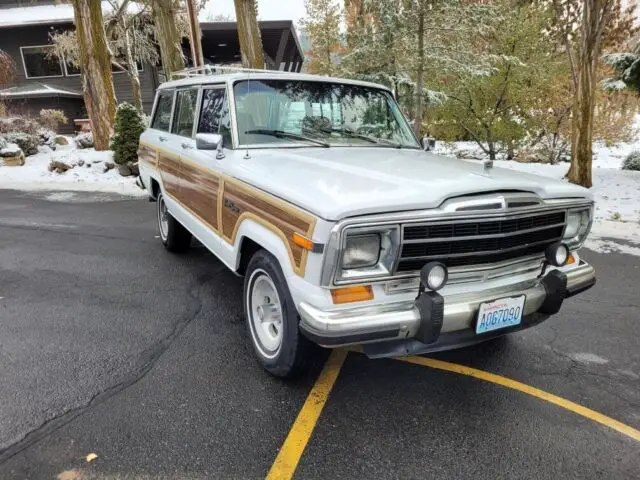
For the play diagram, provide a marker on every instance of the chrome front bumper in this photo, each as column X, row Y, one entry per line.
column 401, row 321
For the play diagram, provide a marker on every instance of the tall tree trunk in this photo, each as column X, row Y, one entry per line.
column 595, row 16
column 582, row 129
column 417, row 127
column 249, row 34
column 132, row 71
column 167, row 35
column 95, row 64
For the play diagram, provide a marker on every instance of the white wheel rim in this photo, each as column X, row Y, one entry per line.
column 163, row 218
column 265, row 312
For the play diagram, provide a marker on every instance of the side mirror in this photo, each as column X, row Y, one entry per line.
column 210, row 141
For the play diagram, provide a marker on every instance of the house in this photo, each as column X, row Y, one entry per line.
column 45, row 81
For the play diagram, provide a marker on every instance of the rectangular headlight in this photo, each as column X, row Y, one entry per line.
column 577, row 227
column 361, row 251
column 368, row 253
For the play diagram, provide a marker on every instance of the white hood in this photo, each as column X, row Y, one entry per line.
column 335, row 183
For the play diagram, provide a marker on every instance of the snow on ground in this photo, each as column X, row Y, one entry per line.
column 616, row 192
column 89, row 177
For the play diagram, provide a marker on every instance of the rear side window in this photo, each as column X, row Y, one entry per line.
column 162, row 117
column 214, row 115
column 185, row 110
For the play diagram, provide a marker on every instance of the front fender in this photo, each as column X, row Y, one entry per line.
column 270, row 239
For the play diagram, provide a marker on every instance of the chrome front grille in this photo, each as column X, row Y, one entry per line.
column 462, row 243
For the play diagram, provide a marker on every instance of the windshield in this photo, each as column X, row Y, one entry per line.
column 287, row 111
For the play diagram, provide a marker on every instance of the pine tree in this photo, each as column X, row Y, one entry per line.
column 129, row 127
column 322, row 24
column 626, row 66
column 495, row 107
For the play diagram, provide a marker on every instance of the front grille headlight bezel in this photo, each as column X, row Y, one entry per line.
column 575, row 235
column 389, row 249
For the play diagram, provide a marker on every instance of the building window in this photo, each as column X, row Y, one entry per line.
column 41, row 62
column 71, row 70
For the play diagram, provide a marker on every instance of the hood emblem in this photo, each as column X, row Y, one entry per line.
column 488, row 165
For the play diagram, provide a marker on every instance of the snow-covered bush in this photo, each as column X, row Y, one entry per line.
column 47, row 137
column 128, row 128
column 52, row 119
column 3, row 143
column 19, row 125
column 632, row 162
column 27, row 143
column 84, row 140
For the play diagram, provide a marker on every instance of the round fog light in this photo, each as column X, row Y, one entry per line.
column 557, row 254
column 434, row 276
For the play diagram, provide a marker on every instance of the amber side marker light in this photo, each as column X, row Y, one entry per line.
column 570, row 259
column 302, row 241
column 360, row 293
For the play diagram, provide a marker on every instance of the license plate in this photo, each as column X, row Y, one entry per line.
column 501, row 313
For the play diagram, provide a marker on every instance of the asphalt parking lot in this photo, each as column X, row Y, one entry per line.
column 120, row 360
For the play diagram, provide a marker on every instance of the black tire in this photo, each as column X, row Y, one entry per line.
column 295, row 353
column 173, row 235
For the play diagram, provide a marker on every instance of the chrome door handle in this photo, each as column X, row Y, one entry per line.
column 186, row 146
column 163, row 139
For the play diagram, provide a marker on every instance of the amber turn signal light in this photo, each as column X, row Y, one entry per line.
column 360, row 293
column 302, row 241
column 570, row 259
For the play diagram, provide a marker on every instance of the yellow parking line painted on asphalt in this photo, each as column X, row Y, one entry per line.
column 529, row 390
column 293, row 447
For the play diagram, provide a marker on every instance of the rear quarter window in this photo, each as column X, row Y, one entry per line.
column 162, row 116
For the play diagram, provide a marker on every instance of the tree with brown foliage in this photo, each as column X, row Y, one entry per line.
column 586, row 27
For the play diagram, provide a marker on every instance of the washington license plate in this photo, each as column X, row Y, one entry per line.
column 501, row 313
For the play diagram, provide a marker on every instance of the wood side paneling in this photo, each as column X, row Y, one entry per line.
column 147, row 154
column 199, row 192
column 241, row 201
column 223, row 203
column 170, row 172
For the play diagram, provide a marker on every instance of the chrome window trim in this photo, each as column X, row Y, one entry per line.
column 213, row 86
column 331, row 260
column 155, row 108
column 175, row 104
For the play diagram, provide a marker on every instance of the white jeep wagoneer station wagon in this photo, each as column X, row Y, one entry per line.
column 346, row 231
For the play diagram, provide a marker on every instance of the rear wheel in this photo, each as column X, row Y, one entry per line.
column 173, row 235
column 272, row 320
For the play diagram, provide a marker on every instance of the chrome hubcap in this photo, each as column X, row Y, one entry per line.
column 265, row 311
column 163, row 218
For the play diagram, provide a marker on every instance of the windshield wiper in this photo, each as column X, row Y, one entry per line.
column 283, row 134
column 350, row 133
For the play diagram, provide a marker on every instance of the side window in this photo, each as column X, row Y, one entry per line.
column 185, row 110
column 162, row 117
column 214, row 115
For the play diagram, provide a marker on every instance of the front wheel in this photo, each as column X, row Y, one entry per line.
column 272, row 320
column 173, row 235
